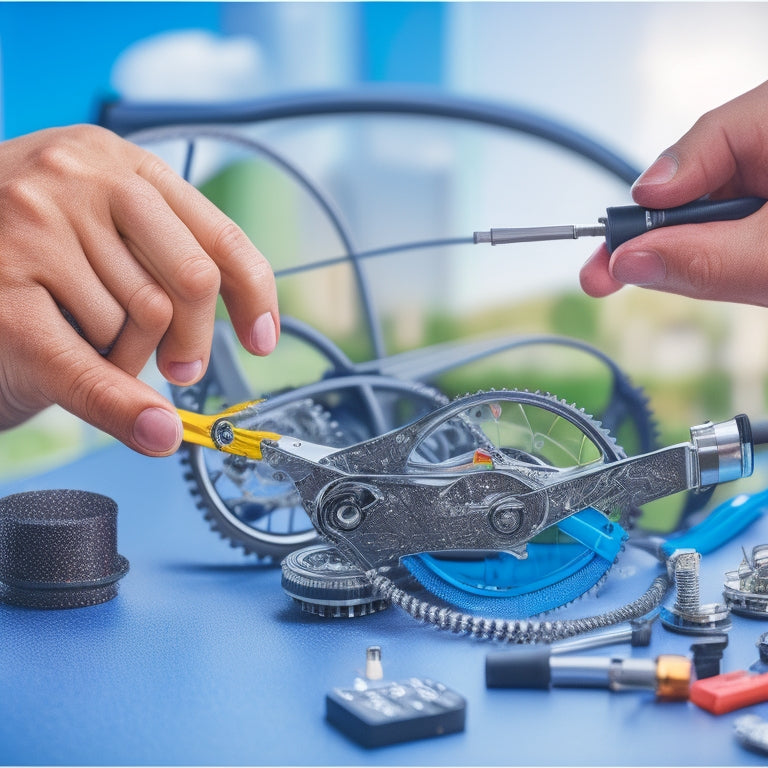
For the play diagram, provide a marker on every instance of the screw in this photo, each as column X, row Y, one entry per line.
column 506, row 517
column 688, row 615
column 637, row 632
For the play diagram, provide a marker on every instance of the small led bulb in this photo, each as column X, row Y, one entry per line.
column 373, row 668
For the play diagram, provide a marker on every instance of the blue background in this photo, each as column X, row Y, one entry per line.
column 57, row 57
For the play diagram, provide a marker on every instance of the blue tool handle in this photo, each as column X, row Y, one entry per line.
column 721, row 525
column 623, row 222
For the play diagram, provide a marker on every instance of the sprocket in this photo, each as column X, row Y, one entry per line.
column 548, row 432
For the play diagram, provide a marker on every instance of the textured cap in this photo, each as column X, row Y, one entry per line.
column 58, row 549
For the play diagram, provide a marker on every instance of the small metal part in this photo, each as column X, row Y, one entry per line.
column 637, row 633
column 688, row 615
column 746, row 590
column 673, row 677
column 752, row 732
column 707, row 653
column 719, row 450
column 323, row 582
column 373, row 668
column 222, row 433
column 507, row 235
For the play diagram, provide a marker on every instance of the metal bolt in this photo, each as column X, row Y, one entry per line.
column 688, row 615
column 348, row 515
column 506, row 517
column 222, row 433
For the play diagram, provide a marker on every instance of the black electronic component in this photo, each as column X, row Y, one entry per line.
column 389, row 713
column 707, row 653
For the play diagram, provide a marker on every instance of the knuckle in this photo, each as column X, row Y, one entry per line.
column 150, row 307
column 132, row 193
column 22, row 198
column 67, row 151
column 230, row 242
column 707, row 120
column 155, row 170
column 197, row 279
column 88, row 392
column 261, row 271
column 100, row 399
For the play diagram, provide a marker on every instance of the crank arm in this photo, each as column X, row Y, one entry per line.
column 717, row 453
column 377, row 519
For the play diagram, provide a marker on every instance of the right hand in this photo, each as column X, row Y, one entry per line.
column 724, row 155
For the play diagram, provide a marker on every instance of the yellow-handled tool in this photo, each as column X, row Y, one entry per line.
column 220, row 431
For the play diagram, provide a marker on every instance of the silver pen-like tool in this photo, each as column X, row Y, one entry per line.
column 508, row 235
column 624, row 222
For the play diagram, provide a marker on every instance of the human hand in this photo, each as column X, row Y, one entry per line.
column 99, row 229
column 724, row 155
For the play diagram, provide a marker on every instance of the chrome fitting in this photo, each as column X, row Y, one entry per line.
column 724, row 450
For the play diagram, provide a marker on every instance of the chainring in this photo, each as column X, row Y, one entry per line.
column 548, row 431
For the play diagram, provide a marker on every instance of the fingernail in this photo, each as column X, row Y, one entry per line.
column 639, row 268
column 157, row 430
column 185, row 373
column 264, row 334
column 660, row 172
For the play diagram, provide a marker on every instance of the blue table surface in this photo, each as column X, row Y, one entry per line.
column 202, row 659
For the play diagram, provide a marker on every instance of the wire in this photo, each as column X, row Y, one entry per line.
column 373, row 253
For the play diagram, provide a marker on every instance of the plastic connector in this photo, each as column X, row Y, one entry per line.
column 733, row 690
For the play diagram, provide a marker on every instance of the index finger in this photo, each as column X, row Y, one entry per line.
column 722, row 155
column 247, row 280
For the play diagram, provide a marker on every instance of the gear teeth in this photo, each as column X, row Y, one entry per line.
column 314, row 420
column 323, row 582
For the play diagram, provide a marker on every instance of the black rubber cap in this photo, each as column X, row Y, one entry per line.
column 520, row 667
column 58, row 549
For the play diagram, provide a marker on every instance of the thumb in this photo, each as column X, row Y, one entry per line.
column 723, row 261
column 89, row 386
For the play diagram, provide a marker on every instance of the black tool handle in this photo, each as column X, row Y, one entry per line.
column 623, row 222
column 520, row 667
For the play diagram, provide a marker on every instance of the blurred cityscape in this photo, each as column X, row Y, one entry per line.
column 632, row 76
